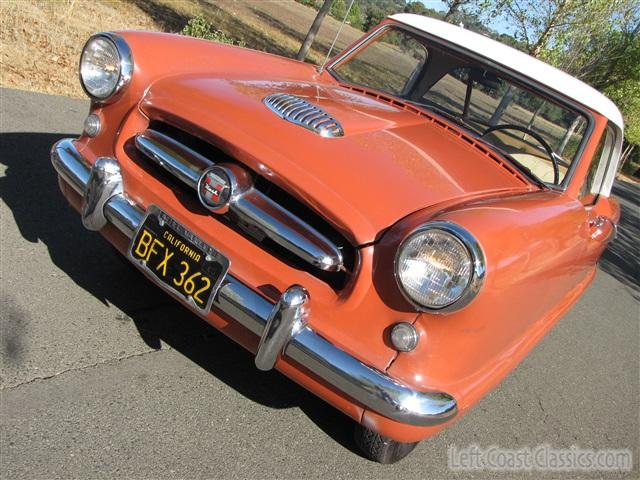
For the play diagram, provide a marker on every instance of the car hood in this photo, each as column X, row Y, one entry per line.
column 391, row 161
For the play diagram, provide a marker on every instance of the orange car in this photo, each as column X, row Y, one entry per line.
column 393, row 231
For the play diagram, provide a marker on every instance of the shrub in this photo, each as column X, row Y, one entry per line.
column 199, row 27
column 310, row 3
column 373, row 17
column 338, row 9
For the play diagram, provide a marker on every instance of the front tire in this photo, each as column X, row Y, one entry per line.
column 379, row 448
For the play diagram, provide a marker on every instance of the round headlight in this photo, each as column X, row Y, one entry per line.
column 105, row 66
column 439, row 266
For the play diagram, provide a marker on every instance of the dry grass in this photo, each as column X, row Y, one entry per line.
column 40, row 40
column 279, row 26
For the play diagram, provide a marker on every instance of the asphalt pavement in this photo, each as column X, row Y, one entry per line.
column 103, row 376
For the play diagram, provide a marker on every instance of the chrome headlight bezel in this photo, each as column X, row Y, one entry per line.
column 477, row 260
column 125, row 66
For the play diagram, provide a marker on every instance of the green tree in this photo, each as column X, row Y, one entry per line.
column 627, row 96
column 594, row 40
column 536, row 23
column 373, row 17
column 416, row 7
column 602, row 48
column 355, row 17
column 453, row 7
column 199, row 27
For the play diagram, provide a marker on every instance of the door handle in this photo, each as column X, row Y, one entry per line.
column 598, row 228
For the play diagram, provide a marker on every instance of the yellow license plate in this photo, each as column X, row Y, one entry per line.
column 181, row 262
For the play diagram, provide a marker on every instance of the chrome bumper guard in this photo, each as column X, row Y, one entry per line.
column 282, row 327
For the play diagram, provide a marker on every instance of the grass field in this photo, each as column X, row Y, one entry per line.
column 40, row 41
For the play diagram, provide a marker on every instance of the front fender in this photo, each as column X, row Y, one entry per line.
column 537, row 266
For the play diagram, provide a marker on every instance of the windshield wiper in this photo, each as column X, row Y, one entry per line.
column 458, row 120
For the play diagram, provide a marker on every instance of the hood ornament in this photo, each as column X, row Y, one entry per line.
column 300, row 111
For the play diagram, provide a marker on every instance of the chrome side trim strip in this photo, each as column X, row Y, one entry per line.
column 247, row 205
column 372, row 388
column 302, row 112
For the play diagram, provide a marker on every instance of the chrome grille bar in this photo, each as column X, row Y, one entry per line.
column 251, row 207
column 179, row 160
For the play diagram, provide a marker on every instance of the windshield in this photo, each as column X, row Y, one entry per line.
column 537, row 132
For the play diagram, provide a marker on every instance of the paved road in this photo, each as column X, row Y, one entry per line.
column 102, row 376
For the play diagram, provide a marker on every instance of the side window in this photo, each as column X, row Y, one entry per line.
column 598, row 168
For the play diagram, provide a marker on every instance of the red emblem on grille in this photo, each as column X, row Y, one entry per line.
column 214, row 188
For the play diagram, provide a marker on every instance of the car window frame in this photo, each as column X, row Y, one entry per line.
column 605, row 162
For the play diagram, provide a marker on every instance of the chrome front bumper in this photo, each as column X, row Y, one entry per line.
column 282, row 327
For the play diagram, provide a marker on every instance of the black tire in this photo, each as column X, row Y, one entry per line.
column 381, row 449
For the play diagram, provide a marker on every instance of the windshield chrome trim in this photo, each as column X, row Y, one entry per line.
column 347, row 53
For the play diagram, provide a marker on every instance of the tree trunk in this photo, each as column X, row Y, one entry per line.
column 625, row 156
column 453, row 8
column 533, row 119
column 313, row 31
column 502, row 106
column 567, row 136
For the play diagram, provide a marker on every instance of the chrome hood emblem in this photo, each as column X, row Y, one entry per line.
column 304, row 113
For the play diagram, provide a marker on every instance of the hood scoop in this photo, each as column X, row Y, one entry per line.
column 301, row 112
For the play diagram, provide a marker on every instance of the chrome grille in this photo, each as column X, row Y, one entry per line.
column 304, row 113
column 251, row 208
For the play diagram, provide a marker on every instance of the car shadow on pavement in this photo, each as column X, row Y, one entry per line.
column 621, row 259
column 30, row 190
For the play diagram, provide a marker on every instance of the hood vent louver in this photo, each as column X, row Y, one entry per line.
column 304, row 113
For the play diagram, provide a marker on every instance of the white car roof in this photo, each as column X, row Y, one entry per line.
column 518, row 61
